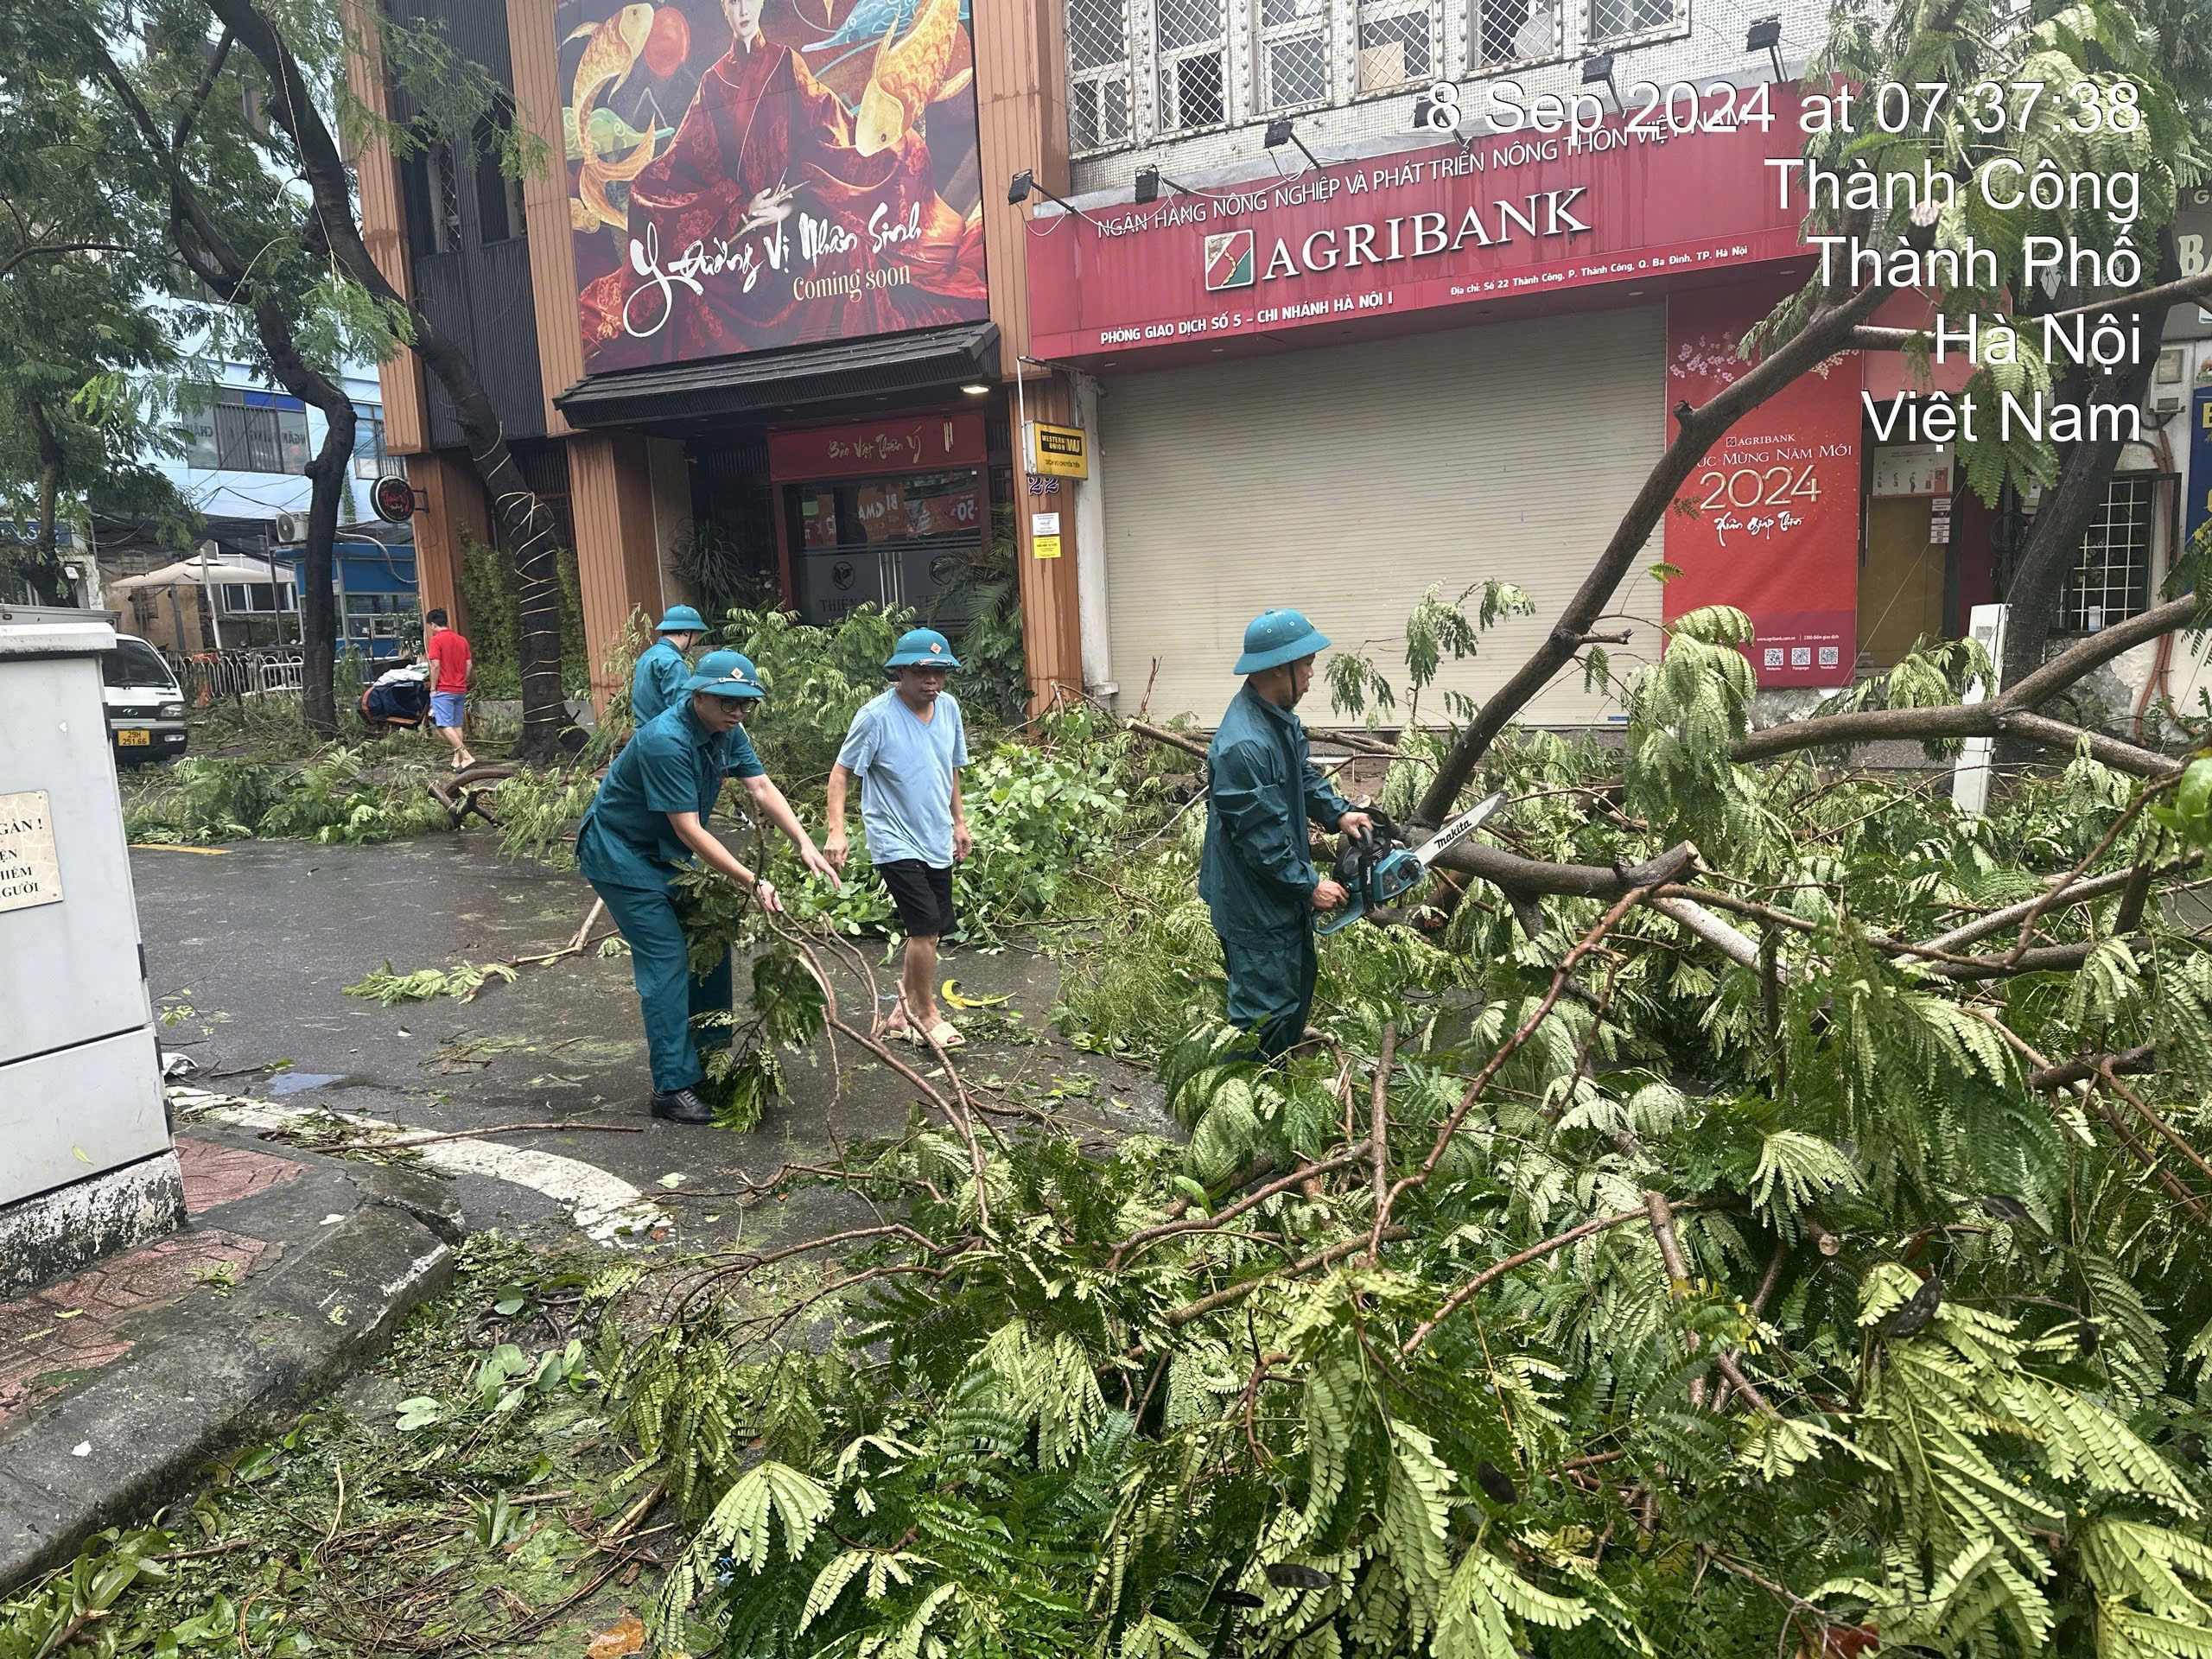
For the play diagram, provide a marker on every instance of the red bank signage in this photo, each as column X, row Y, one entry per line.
column 1770, row 522
column 1441, row 226
column 866, row 448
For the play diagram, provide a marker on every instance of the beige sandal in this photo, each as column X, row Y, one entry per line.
column 945, row 1035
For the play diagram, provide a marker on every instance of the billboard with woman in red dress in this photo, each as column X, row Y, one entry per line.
column 752, row 173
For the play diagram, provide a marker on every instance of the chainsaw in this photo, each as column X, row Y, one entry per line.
column 1378, row 868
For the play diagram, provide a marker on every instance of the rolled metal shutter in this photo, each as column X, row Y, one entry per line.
column 1347, row 481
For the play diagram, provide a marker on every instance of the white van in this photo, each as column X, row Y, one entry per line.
column 145, row 706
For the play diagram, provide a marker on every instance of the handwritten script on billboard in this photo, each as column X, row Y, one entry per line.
column 744, row 174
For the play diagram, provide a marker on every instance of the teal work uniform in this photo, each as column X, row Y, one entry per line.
column 629, row 852
column 657, row 681
column 1256, row 875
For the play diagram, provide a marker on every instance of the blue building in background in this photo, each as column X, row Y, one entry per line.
column 373, row 577
column 244, row 473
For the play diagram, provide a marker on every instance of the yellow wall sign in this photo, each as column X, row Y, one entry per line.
column 1059, row 451
column 1045, row 535
column 1047, row 547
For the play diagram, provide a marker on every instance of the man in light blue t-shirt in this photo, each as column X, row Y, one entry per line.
column 907, row 746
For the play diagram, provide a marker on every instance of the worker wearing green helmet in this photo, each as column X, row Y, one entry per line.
column 657, row 681
column 1256, row 875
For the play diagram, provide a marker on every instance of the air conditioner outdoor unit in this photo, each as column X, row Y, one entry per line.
column 291, row 528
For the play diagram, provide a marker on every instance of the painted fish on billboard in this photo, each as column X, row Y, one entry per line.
column 820, row 182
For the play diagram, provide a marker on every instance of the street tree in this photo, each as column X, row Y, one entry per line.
column 87, row 369
column 209, row 173
column 301, row 51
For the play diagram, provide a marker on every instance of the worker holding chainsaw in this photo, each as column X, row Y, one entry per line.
column 1257, row 876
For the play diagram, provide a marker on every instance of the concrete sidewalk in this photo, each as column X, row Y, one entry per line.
column 117, row 1385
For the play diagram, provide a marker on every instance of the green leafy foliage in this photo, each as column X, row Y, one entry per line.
column 461, row 981
column 1153, row 1396
column 361, row 795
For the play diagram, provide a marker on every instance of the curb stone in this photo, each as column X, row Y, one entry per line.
column 156, row 1415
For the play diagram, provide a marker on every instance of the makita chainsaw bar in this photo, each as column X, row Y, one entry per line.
column 1378, row 868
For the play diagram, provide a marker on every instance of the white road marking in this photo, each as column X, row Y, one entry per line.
column 606, row 1208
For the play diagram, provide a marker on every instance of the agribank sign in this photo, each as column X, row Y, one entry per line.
column 1446, row 225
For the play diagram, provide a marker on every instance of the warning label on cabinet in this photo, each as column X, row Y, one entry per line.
column 30, row 875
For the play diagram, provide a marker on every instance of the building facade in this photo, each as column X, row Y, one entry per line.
column 1349, row 302
column 758, row 333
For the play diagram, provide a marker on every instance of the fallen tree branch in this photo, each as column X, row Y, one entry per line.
column 1177, row 1318
column 1739, row 948
column 2010, row 712
column 1997, row 920
column 1490, row 1275
column 1173, row 740
column 2131, row 1061
column 1522, row 878
column 2044, row 901
column 2048, row 958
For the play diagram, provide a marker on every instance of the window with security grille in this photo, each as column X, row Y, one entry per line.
column 1517, row 31
column 1293, row 52
column 1098, row 74
column 1614, row 19
column 2112, row 581
column 1193, row 88
column 1397, row 43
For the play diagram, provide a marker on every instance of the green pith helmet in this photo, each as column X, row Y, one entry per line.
column 922, row 648
column 1278, row 637
column 726, row 674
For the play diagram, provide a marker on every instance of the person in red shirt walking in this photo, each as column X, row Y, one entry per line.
column 448, row 655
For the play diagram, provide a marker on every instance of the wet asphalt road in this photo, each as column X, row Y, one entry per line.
column 258, row 939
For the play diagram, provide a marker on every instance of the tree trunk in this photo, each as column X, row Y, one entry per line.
column 2054, row 544
column 326, row 472
column 525, row 522
column 43, row 573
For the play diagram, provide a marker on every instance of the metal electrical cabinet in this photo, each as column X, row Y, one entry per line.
column 86, row 1164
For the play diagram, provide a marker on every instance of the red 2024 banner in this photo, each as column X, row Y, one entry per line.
column 1772, row 519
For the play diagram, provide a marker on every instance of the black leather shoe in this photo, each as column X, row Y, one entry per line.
column 682, row 1106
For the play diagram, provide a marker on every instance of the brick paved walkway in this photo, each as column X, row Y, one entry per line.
column 50, row 1338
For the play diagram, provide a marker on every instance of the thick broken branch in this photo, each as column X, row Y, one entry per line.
column 2049, row 959
column 2010, row 712
column 2081, row 892
column 2132, row 1061
column 1739, row 948
column 1520, row 877
column 1173, row 740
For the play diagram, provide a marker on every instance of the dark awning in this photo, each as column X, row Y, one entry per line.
column 799, row 376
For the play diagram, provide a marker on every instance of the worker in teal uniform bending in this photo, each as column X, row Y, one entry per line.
column 1257, row 874
column 657, row 681
column 650, row 814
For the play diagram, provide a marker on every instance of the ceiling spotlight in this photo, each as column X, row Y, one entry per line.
column 1600, row 68
column 1281, row 132
column 1765, row 37
column 976, row 390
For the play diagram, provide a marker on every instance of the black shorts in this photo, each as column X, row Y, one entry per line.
column 923, row 894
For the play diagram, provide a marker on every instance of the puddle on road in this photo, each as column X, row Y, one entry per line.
column 281, row 1083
